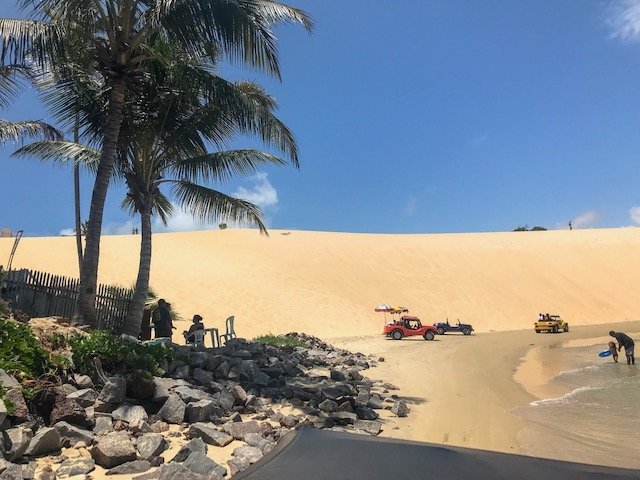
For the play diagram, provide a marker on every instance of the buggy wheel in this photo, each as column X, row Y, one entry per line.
column 566, row 327
column 397, row 334
column 428, row 335
column 466, row 331
column 554, row 330
column 440, row 331
column 537, row 331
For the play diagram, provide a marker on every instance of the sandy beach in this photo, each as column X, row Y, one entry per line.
column 464, row 391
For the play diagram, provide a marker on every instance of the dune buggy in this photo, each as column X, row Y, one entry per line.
column 409, row 326
column 446, row 327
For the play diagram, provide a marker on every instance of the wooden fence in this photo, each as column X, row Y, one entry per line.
column 40, row 294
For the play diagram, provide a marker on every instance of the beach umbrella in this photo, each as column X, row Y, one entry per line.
column 383, row 308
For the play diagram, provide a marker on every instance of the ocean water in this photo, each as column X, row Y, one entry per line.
column 597, row 417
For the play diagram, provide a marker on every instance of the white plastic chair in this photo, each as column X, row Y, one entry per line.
column 197, row 336
column 230, row 333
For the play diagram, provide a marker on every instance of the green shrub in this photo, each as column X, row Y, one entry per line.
column 11, row 408
column 20, row 351
column 526, row 228
column 118, row 356
column 5, row 309
column 279, row 341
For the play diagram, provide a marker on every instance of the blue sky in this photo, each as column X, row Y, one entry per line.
column 424, row 116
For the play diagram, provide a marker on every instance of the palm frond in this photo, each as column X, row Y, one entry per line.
column 243, row 28
column 32, row 40
column 221, row 166
column 208, row 205
column 17, row 131
column 60, row 152
column 231, row 108
column 163, row 207
column 129, row 204
column 10, row 82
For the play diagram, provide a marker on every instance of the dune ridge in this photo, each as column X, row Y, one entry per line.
column 328, row 284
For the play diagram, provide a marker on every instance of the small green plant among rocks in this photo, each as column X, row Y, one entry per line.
column 280, row 340
column 20, row 350
column 118, row 355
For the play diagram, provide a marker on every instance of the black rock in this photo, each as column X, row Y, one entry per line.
column 136, row 466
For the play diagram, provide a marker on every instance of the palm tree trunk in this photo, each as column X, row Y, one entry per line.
column 136, row 308
column 76, row 199
column 86, row 310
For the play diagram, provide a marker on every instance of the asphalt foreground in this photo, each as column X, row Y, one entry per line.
column 323, row 455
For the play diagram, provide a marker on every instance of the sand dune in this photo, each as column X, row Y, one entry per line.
column 328, row 283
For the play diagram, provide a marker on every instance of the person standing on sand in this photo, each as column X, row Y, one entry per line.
column 614, row 351
column 162, row 320
column 627, row 342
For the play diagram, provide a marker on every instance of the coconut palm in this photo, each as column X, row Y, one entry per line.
column 119, row 36
column 11, row 77
column 163, row 145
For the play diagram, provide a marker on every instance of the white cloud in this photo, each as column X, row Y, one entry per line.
column 587, row 219
column 634, row 214
column 262, row 193
column 623, row 17
column 181, row 221
column 65, row 232
column 410, row 207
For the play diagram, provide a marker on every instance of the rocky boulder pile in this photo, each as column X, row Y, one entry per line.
column 237, row 393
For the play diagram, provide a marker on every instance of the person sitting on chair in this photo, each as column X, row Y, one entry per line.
column 197, row 325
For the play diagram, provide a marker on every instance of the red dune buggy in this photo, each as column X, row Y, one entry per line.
column 408, row 326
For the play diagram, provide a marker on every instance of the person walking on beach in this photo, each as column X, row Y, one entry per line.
column 162, row 320
column 627, row 342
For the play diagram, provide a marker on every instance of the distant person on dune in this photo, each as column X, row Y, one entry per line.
column 627, row 342
column 614, row 351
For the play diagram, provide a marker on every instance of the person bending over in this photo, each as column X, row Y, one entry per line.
column 625, row 341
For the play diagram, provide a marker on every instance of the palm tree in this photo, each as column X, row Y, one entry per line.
column 10, row 83
column 163, row 143
column 119, row 36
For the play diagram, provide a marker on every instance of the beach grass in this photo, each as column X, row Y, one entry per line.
column 280, row 340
